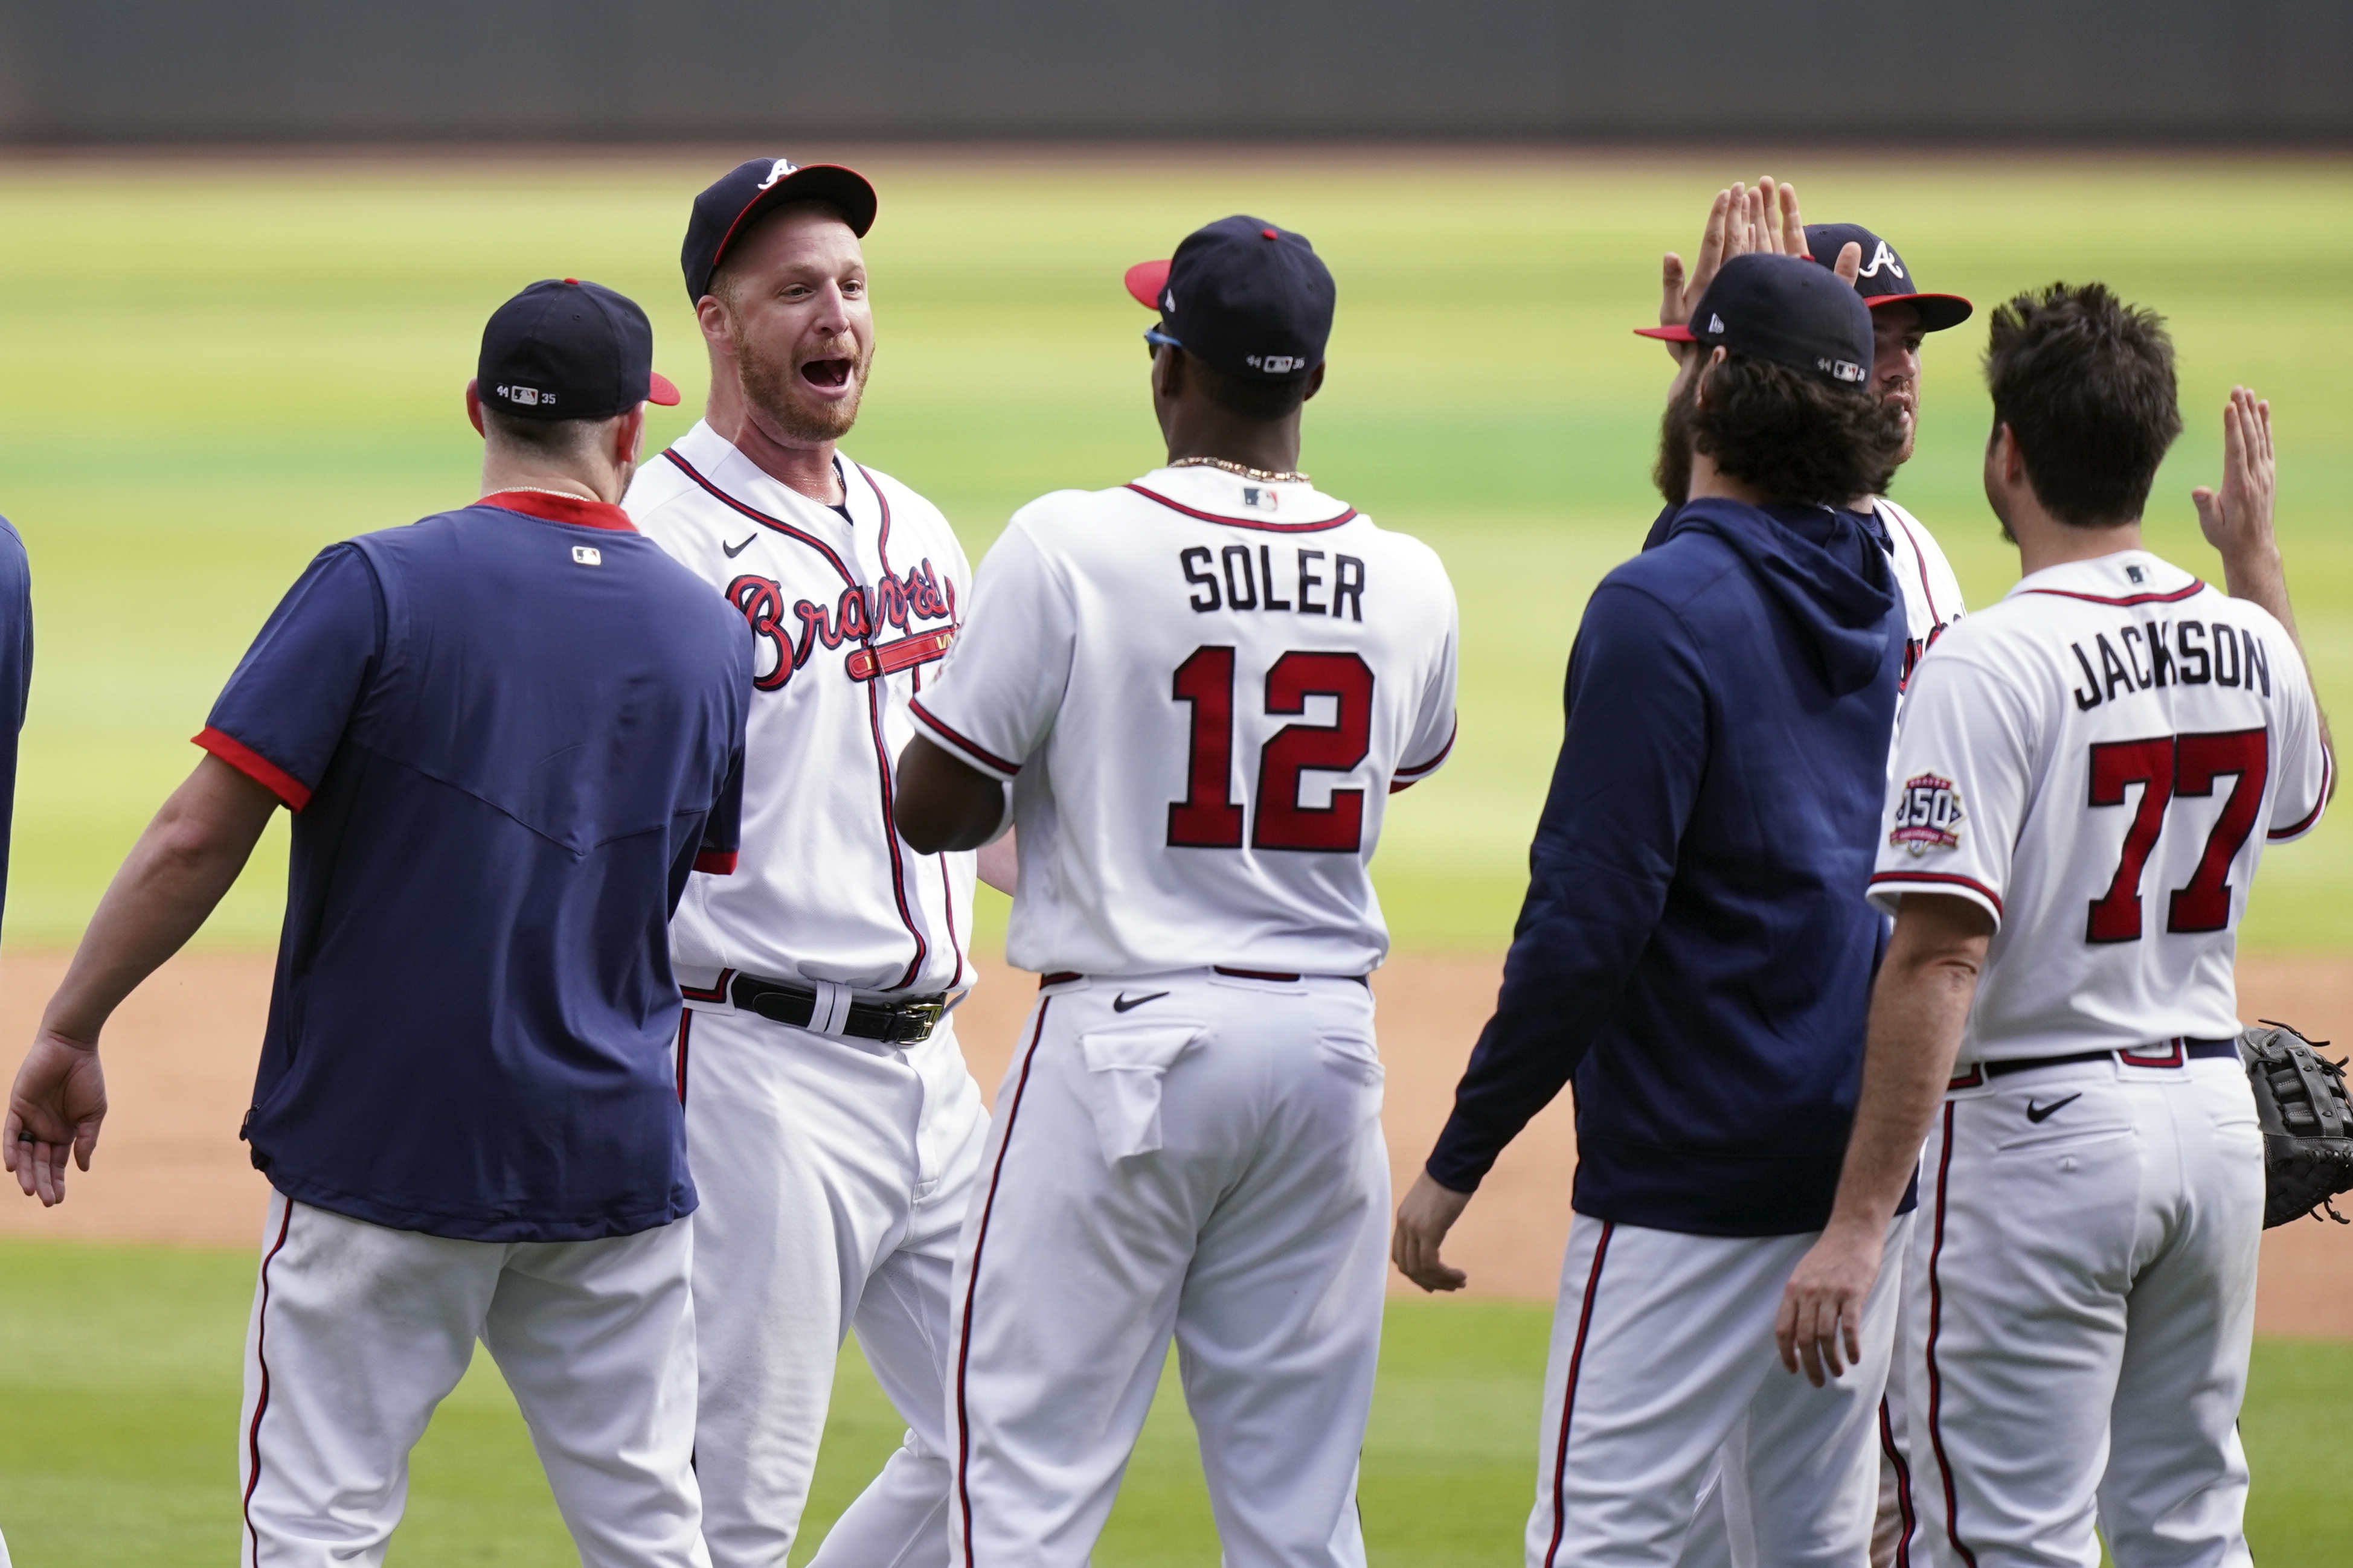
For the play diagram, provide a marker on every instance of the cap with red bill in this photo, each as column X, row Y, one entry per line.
column 1783, row 309
column 1885, row 279
column 1244, row 296
column 731, row 205
column 564, row 349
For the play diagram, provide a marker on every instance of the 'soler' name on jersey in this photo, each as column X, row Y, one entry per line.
column 1204, row 687
column 2098, row 762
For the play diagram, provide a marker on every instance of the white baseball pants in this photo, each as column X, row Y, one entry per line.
column 359, row 1331
column 2083, row 1293
column 1663, row 1374
column 1188, row 1153
column 834, row 1175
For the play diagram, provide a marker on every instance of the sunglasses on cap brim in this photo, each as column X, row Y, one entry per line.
column 1157, row 340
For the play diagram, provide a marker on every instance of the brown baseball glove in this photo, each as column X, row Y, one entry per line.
column 2306, row 1120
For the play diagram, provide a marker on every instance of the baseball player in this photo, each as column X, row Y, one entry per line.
column 835, row 1131
column 506, row 732
column 2088, row 776
column 1201, row 686
column 1766, row 218
column 1695, row 950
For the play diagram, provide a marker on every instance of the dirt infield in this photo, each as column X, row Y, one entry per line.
column 180, row 1070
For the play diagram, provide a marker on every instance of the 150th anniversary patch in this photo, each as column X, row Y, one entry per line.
column 1927, row 814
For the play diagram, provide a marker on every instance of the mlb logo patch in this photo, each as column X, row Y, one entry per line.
column 1927, row 814
column 587, row 556
column 1258, row 498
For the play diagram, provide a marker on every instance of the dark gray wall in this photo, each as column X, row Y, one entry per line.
column 471, row 71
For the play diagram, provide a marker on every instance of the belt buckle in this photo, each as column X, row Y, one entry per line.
column 913, row 1022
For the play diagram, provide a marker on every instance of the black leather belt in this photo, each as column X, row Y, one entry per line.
column 2172, row 1053
column 892, row 1023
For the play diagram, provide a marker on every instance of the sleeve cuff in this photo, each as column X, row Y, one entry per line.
column 990, row 762
column 1407, row 777
column 1888, row 887
column 2312, row 819
column 255, row 766
column 717, row 862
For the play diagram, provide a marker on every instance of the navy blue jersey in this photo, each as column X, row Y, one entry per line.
column 16, row 675
column 509, row 734
column 1696, row 953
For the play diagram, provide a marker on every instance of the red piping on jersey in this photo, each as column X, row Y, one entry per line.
column 261, row 1357
column 1406, row 778
column 578, row 510
column 717, row 862
column 1949, row 878
column 255, row 766
column 882, row 754
column 1936, row 1330
column 987, row 759
column 1920, row 565
column 873, row 706
column 1245, row 522
column 718, row 992
column 1895, row 1452
column 2327, row 767
column 1569, row 1392
column 972, row 1281
column 2173, row 598
column 685, row 1023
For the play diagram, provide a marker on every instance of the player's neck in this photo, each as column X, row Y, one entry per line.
column 607, row 485
column 805, row 468
column 1709, row 483
column 2043, row 542
column 1273, row 446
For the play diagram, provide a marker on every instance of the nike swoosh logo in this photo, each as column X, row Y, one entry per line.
column 732, row 550
column 1121, row 1002
column 2043, row 1113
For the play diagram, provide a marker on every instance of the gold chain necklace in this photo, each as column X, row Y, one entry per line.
column 1263, row 476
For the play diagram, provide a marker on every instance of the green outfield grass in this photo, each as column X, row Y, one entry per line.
column 120, row 1364
column 211, row 371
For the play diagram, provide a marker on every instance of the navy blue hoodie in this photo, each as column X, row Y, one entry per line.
column 1695, row 950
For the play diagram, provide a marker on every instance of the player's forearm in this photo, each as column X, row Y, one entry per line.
column 942, row 803
column 173, row 878
column 1918, row 1010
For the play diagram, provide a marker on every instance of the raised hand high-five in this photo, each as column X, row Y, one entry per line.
column 1743, row 219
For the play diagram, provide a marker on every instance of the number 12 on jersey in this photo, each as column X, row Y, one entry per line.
column 1209, row 817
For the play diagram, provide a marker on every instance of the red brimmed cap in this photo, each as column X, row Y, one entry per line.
column 728, row 207
column 1243, row 296
column 564, row 349
column 1885, row 279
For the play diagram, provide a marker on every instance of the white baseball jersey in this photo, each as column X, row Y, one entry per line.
column 1932, row 595
column 1203, row 688
column 852, row 616
column 2097, row 763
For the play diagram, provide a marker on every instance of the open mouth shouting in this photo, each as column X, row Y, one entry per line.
column 829, row 374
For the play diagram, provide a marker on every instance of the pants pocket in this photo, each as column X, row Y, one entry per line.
column 1124, row 1071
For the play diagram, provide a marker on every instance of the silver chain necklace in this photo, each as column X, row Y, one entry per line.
column 1263, row 476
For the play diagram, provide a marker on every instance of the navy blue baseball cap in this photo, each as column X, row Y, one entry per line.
column 727, row 209
column 1244, row 296
column 1784, row 309
column 1885, row 279
column 562, row 349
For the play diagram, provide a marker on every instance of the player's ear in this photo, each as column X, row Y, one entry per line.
column 628, row 436
column 710, row 315
column 1315, row 379
column 474, row 409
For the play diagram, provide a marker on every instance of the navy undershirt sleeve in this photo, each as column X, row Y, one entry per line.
column 286, row 706
column 1631, row 766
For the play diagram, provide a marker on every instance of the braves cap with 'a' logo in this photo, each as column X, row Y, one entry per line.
column 727, row 209
column 1784, row 309
column 1244, row 297
column 568, row 350
column 1885, row 279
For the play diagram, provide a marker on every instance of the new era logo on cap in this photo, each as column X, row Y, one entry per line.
column 1715, row 323
column 1784, row 309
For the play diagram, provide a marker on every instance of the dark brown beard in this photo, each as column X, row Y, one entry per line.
column 769, row 383
column 1672, row 471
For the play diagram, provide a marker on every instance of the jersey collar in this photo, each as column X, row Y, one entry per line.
column 2127, row 577
column 1281, row 506
column 719, row 461
column 574, row 510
